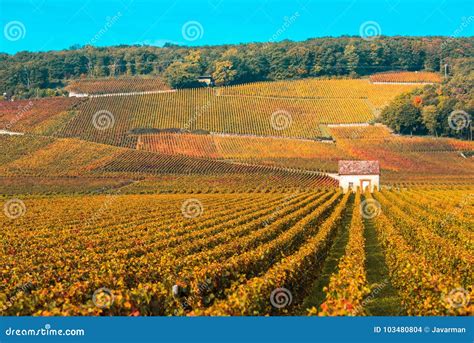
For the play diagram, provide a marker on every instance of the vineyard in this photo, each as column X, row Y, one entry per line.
column 296, row 109
column 376, row 95
column 218, row 254
column 406, row 77
column 403, row 159
column 111, row 86
column 44, row 157
column 226, row 201
column 38, row 115
column 201, row 109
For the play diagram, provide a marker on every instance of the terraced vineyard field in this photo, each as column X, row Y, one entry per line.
column 112, row 86
column 225, row 201
column 406, row 77
column 42, row 116
column 377, row 96
column 285, row 109
column 31, row 156
column 283, row 152
column 201, row 109
column 239, row 254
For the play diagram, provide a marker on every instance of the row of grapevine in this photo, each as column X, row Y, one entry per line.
column 42, row 156
column 442, row 253
column 292, row 272
column 450, row 226
column 406, row 77
column 34, row 115
column 422, row 287
column 377, row 94
column 368, row 132
column 111, row 85
column 284, row 152
column 224, row 254
column 348, row 287
column 201, row 109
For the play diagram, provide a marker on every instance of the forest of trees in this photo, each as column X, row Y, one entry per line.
column 438, row 110
column 28, row 74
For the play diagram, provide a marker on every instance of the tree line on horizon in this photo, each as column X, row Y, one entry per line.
column 31, row 74
column 444, row 109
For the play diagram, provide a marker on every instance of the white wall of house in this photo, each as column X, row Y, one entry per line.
column 353, row 182
column 78, row 95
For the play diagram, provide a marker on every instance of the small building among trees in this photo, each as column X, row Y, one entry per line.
column 207, row 79
column 359, row 174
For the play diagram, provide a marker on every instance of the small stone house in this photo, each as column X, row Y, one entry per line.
column 359, row 174
column 207, row 79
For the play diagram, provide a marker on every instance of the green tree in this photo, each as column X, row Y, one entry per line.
column 352, row 58
column 180, row 75
column 224, row 73
column 430, row 118
column 403, row 116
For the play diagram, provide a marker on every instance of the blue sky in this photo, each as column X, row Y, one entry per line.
column 42, row 25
